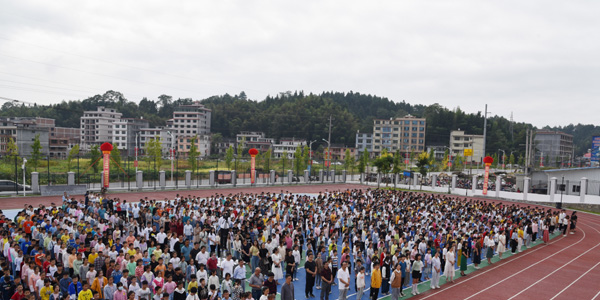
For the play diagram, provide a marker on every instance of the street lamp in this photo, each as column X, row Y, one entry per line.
column 328, row 156
column 171, row 155
column 137, row 134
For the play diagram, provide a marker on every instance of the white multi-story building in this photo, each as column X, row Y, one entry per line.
column 254, row 139
column 288, row 145
column 191, row 121
column 364, row 142
column 125, row 131
column 97, row 126
column 146, row 134
column 459, row 141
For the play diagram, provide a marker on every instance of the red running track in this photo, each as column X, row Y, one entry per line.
column 567, row 268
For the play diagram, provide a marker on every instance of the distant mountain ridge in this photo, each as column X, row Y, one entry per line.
column 296, row 114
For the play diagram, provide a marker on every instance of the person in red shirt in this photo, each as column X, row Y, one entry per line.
column 20, row 294
column 27, row 226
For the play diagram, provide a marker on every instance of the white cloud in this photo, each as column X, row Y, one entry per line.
column 536, row 58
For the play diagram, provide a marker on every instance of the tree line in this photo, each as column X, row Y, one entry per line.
column 296, row 114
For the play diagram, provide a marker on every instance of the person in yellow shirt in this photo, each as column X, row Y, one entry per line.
column 92, row 256
column 193, row 282
column 86, row 293
column 46, row 290
column 375, row 281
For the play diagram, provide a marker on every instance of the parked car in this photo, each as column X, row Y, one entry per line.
column 9, row 186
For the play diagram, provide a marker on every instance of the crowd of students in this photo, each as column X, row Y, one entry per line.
column 238, row 246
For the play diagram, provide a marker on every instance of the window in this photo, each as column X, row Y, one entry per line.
column 377, row 128
column 415, row 122
column 376, row 121
column 360, row 141
column 421, row 128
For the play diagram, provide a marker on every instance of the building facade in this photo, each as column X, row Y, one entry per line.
column 287, row 145
column 406, row 134
column 97, row 126
column 254, row 139
column 459, row 141
column 554, row 148
column 125, row 133
column 364, row 142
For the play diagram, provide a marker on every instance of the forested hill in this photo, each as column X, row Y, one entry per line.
column 305, row 116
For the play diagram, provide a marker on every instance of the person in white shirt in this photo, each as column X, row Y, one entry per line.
column 360, row 283
column 227, row 265
column 343, row 276
column 202, row 256
column 436, row 266
column 161, row 236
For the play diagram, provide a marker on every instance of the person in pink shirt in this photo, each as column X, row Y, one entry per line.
column 120, row 293
column 170, row 286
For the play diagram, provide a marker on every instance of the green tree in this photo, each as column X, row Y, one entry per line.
column 115, row 154
column 154, row 151
column 267, row 160
column 94, row 158
column 229, row 156
column 511, row 160
column 384, row 163
column 240, row 148
column 12, row 150
column 284, row 161
column 193, row 154
column 363, row 161
column 397, row 162
column 36, row 151
column 298, row 161
column 305, row 156
column 423, row 163
column 72, row 154
column 348, row 161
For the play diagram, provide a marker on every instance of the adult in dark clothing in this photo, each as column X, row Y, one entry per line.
column 287, row 290
column 271, row 284
column 311, row 270
column 290, row 263
column 326, row 280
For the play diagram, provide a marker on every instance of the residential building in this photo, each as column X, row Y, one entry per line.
column 438, row 151
column 184, row 144
column 125, row 133
column 97, row 126
column 555, row 147
column 288, row 145
column 62, row 140
column 191, row 120
column 338, row 152
column 254, row 139
column 222, row 145
column 406, row 134
column 364, row 142
column 146, row 134
column 459, row 141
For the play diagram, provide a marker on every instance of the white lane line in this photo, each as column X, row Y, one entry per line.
column 530, row 266
column 556, row 270
column 597, row 294
column 499, row 264
column 575, row 281
column 561, row 268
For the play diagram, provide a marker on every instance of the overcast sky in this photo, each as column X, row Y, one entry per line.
column 537, row 59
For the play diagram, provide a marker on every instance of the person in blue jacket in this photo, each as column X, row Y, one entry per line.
column 74, row 288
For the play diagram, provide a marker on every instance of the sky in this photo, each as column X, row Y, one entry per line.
column 535, row 59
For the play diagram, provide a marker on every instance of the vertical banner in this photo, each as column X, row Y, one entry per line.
column 488, row 160
column 253, row 152
column 106, row 168
column 106, row 148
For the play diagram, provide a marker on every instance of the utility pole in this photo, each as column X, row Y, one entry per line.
column 526, row 149
column 484, row 130
column 329, row 148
